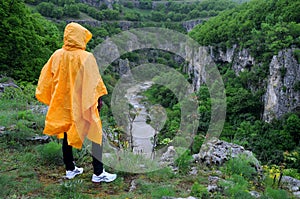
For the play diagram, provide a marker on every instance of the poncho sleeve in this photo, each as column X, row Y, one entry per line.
column 44, row 88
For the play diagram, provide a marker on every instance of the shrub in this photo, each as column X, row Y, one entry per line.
column 292, row 173
column 50, row 153
column 183, row 162
column 276, row 194
column 240, row 165
column 237, row 187
column 198, row 141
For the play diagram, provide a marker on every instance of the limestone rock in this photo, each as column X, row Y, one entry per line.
column 240, row 58
column 39, row 109
column 2, row 130
column 281, row 97
column 123, row 66
column 255, row 194
column 218, row 152
column 168, row 157
column 133, row 186
column 213, row 184
column 297, row 194
column 189, row 25
column 39, row 139
column 282, row 94
column 7, row 84
column 292, row 184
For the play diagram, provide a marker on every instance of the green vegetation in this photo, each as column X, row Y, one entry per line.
column 27, row 41
column 265, row 27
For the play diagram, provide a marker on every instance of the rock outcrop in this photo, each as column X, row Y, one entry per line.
column 123, row 66
column 240, row 59
column 291, row 184
column 282, row 93
column 6, row 82
column 168, row 158
column 281, row 96
column 217, row 152
column 189, row 25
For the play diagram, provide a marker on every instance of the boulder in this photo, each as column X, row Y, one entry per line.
column 291, row 184
column 168, row 157
column 217, row 152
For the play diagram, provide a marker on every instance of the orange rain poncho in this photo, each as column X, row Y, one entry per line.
column 70, row 83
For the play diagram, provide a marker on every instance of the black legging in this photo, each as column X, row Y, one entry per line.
column 69, row 159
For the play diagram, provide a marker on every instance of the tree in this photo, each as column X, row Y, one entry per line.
column 157, row 16
column 292, row 126
column 71, row 10
column 146, row 4
column 110, row 14
column 46, row 9
column 27, row 41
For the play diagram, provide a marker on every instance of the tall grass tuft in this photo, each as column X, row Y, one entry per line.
column 50, row 153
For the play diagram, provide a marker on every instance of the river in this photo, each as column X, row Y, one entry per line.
column 141, row 131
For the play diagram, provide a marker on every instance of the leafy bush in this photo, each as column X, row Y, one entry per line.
column 292, row 159
column 292, row 173
column 239, row 165
column 297, row 54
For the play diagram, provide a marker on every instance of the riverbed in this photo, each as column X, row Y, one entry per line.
column 141, row 131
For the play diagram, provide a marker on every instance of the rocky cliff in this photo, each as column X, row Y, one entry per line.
column 282, row 93
column 282, row 96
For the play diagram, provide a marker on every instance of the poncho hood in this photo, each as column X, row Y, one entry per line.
column 76, row 37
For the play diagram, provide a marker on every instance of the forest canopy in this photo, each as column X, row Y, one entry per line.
column 263, row 26
column 27, row 41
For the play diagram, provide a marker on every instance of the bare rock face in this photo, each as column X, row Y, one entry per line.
column 240, row 58
column 281, row 96
column 123, row 66
column 189, row 25
column 282, row 91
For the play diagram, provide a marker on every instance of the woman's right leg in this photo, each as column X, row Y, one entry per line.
column 100, row 175
column 97, row 158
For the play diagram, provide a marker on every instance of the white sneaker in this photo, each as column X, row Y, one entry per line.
column 75, row 172
column 104, row 177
